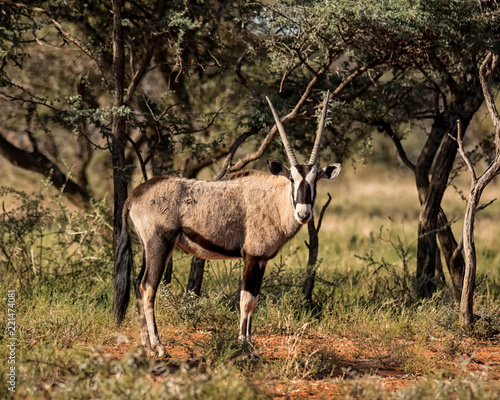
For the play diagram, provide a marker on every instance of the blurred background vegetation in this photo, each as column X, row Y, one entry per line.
column 99, row 96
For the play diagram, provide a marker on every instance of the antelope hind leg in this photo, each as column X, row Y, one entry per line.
column 158, row 252
column 140, row 306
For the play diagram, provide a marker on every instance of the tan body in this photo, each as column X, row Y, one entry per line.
column 249, row 215
column 233, row 214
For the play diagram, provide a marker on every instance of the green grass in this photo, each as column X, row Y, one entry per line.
column 61, row 266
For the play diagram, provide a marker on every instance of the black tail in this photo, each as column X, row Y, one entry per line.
column 123, row 267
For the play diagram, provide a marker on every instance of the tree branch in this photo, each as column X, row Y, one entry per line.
column 295, row 114
column 232, row 150
column 38, row 162
column 397, row 142
column 485, row 77
column 322, row 213
column 461, row 150
column 146, row 61
column 243, row 80
column 439, row 65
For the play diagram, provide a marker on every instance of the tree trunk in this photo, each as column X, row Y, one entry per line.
column 120, row 175
column 486, row 73
column 428, row 218
column 167, row 276
column 431, row 192
column 196, row 276
column 312, row 260
column 467, row 300
column 452, row 253
column 313, row 247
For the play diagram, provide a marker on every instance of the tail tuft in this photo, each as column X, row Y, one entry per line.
column 122, row 270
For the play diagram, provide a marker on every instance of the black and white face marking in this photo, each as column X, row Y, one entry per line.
column 303, row 179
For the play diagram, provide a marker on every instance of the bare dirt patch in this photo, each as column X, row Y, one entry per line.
column 317, row 366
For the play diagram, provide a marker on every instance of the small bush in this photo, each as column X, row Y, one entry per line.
column 42, row 239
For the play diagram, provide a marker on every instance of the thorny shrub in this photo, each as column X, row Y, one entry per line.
column 41, row 238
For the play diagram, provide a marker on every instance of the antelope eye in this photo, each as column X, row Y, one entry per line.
column 291, row 180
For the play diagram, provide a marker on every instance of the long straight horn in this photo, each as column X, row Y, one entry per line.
column 284, row 138
column 321, row 129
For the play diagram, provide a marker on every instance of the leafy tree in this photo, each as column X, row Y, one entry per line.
column 438, row 47
column 423, row 59
column 162, row 85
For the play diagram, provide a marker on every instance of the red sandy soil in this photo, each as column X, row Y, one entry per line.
column 350, row 359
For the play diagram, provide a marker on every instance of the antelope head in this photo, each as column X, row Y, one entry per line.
column 303, row 177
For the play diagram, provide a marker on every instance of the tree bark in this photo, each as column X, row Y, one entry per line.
column 427, row 222
column 477, row 186
column 120, row 174
column 451, row 251
column 431, row 191
column 466, row 302
column 313, row 247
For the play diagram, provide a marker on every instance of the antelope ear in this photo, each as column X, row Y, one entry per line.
column 277, row 168
column 329, row 172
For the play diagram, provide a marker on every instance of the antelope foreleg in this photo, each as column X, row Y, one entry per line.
column 247, row 307
column 252, row 279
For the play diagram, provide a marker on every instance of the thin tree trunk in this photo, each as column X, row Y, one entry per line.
column 196, row 276
column 467, row 300
column 120, row 175
column 432, row 191
column 486, row 73
column 313, row 247
column 312, row 260
column 452, row 253
column 167, row 276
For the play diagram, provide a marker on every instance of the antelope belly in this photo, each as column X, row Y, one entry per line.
column 195, row 245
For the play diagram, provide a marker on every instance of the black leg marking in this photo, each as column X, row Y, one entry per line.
column 253, row 273
column 157, row 252
column 140, row 306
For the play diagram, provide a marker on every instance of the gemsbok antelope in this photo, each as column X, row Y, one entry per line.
column 249, row 215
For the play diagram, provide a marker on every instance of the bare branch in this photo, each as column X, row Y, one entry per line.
column 146, row 60
column 485, row 77
column 461, row 150
column 232, row 150
column 322, row 213
column 142, row 163
column 483, row 206
column 243, row 80
column 397, row 142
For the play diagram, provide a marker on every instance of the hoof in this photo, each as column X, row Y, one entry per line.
column 161, row 351
column 158, row 351
column 250, row 358
column 245, row 342
column 253, row 357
